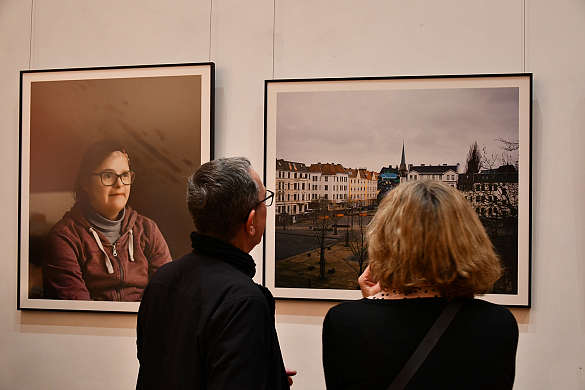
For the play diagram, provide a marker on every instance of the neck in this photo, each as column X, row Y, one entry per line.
column 243, row 240
column 419, row 292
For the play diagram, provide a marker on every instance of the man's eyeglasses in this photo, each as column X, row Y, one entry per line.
column 110, row 178
column 268, row 201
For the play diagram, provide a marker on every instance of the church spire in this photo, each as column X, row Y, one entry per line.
column 402, row 169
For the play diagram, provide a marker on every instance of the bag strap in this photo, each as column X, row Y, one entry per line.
column 426, row 345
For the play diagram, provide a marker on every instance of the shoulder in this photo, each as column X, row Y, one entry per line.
column 133, row 218
column 71, row 224
column 485, row 308
column 203, row 276
column 489, row 314
column 142, row 226
column 350, row 309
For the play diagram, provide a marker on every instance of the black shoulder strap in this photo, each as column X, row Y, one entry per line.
column 426, row 345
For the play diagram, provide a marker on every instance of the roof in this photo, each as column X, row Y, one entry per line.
column 502, row 174
column 283, row 165
column 389, row 169
column 433, row 169
column 501, row 169
column 328, row 169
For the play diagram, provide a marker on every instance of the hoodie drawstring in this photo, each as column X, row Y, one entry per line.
column 107, row 259
column 131, row 245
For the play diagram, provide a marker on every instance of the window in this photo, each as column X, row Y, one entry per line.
column 326, row 178
column 295, row 175
column 326, row 187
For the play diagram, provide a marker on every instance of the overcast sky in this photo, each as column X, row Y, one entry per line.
column 367, row 128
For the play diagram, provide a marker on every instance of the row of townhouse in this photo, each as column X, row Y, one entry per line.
column 298, row 186
column 444, row 172
column 363, row 189
column 491, row 192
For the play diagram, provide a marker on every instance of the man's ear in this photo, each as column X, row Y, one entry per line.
column 250, row 229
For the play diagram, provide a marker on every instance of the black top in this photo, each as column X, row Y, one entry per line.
column 204, row 324
column 367, row 342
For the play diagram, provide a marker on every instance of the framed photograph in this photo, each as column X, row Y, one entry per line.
column 335, row 147
column 85, row 242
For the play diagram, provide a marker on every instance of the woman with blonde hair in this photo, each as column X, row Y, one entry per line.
column 429, row 257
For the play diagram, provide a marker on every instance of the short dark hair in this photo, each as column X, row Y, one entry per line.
column 96, row 154
column 219, row 196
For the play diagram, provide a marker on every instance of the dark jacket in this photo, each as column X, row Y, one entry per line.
column 80, row 263
column 367, row 342
column 204, row 324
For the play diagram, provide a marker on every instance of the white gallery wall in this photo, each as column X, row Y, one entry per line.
column 254, row 40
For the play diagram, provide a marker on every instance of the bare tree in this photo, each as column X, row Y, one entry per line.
column 493, row 192
column 320, row 225
column 506, row 157
column 357, row 242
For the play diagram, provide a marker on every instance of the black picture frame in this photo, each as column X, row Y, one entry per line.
column 164, row 116
column 314, row 125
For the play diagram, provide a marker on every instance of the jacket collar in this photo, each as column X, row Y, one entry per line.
column 223, row 251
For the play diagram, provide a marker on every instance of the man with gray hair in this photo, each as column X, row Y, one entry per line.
column 203, row 323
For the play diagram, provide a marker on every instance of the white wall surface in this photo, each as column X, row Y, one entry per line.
column 254, row 40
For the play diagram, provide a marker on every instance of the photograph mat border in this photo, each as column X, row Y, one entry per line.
column 207, row 73
column 521, row 80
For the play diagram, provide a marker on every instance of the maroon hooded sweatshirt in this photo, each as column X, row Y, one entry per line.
column 79, row 263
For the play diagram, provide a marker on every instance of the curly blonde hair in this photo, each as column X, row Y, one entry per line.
column 426, row 233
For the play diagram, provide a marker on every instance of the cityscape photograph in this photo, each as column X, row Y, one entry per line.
column 339, row 152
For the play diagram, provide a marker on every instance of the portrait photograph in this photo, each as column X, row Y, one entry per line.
column 88, row 136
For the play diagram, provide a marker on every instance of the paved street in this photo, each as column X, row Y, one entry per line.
column 293, row 241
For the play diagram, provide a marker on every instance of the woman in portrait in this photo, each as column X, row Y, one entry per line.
column 427, row 247
column 102, row 249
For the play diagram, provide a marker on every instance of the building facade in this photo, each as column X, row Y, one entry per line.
column 446, row 173
column 493, row 193
column 292, row 194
